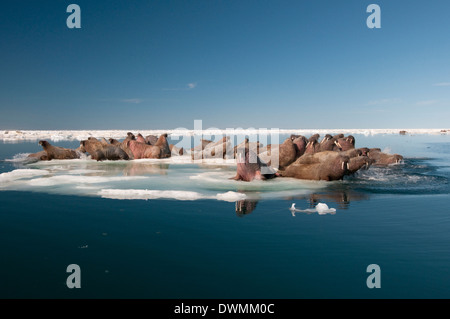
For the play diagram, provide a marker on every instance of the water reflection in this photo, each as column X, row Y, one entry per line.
column 245, row 207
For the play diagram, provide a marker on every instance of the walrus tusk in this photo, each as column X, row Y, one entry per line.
column 307, row 144
column 348, row 167
column 342, row 166
column 337, row 143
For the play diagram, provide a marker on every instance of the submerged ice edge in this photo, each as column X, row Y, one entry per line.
column 69, row 135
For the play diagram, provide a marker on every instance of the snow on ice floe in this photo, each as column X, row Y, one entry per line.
column 61, row 135
column 167, row 194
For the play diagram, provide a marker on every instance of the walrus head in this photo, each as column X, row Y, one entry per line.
column 131, row 136
column 350, row 139
column 113, row 141
column 326, row 138
column 44, row 143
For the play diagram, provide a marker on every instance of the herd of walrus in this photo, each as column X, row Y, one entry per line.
column 298, row 157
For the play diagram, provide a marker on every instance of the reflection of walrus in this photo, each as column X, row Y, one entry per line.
column 245, row 207
column 56, row 152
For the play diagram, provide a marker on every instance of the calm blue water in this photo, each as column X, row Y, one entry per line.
column 397, row 218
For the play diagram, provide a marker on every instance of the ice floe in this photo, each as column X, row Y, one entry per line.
column 70, row 135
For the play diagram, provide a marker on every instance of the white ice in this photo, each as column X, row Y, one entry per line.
column 61, row 135
column 321, row 209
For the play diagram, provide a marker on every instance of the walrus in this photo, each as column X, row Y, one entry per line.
column 326, row 166
column 142, row 150
column 151, row 139
column 354, row 152
column 329, row 143
column 140, row 138
column 100, row 152
column 357, row 162
column 123, row 146
column 246, row 144
column 214, row 149
column 201, row 146
column 382, row 159
column 250, row 167
column 40, row 156
column 346, row 143
column 313, row 145
column 287, row 153
column 56, row 152
column 176, row 151
column 300, row 143
column 163, row 145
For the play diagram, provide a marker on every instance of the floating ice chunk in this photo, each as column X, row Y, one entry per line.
column 320, row 209
column 231, row 196
column 323, row 209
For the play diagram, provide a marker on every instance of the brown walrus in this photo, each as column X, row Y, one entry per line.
column 40, row 156
column 123, row 146
column 100, row 152
column 176, row 151
column 250, row 167
column 327, row 166
column 300, row 143
column 382, row 159
column 358, row 162
column 346, row 143
column 56, row 152
column 164, row 146
column 140, row 138
column 142, row 150
column 313, row 145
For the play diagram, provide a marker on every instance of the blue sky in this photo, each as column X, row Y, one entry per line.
column 262, row 64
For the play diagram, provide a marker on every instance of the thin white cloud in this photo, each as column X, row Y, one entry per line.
column 189, row 86
column 442, row 84
column 383, row 101
column 134, row 101
column 427, row 102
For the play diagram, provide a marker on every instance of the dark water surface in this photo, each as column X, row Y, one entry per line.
column 397, row 218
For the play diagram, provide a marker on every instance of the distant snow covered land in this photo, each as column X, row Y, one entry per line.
column 61, row 135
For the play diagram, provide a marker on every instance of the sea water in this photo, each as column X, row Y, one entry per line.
column 176, row 229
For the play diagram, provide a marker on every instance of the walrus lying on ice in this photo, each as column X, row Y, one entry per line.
column 56, row 152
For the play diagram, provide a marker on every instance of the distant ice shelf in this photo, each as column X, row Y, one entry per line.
column 71, row 135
